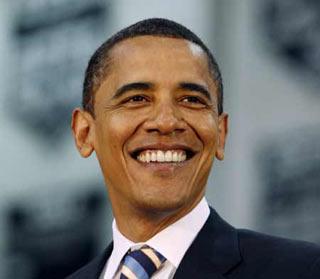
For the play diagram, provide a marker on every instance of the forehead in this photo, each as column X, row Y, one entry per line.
column 152, row 51
column 147, row 42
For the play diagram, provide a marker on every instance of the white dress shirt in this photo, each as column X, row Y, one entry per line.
column 172, row 243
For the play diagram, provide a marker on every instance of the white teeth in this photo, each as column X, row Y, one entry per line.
column 153, row 156
column 183, row 156
column 162, row 156
column 143, row 157
column 147, row 157
column 175, row 156
column 168, row 156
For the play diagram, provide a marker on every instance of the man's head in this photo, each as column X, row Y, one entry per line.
column 100, row 61
column 157, row 122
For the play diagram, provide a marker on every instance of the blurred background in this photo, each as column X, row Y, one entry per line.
column 54, row 212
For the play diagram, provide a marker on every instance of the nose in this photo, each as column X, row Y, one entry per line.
column 165, row 119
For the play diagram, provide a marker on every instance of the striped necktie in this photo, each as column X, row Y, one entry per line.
column 141, row 263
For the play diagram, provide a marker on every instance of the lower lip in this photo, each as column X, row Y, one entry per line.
column 163, row 166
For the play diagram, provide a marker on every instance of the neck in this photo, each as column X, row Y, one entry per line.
column 139, row 225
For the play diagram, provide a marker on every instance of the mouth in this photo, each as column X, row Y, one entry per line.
column 163, row 155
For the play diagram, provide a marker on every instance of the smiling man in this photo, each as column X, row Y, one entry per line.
column 152, row 112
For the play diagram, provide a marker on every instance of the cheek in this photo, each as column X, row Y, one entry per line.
column 206, row 127
column 116, row 129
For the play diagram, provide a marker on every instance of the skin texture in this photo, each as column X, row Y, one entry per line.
column 158, row 112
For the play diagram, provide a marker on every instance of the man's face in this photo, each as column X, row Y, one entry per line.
column 157, row 129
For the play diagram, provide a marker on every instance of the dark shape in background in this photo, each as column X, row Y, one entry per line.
column 290, row 172
column 293, row 30
column 51, row 238
column 54, row 40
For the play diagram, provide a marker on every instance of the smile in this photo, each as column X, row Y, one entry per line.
column 168, row 156
column 152, row 154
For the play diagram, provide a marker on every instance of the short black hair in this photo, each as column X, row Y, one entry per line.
column 99, row 62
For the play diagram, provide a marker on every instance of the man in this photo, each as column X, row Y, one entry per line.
column 153, row 114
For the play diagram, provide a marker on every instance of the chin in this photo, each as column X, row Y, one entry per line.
column 162, row 205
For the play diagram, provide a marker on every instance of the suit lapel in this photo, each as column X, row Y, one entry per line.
column 95, row 267
column 213, row 253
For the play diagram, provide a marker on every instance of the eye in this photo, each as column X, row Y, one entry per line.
column 192, row 99
column 137, row 98
column 193, row 102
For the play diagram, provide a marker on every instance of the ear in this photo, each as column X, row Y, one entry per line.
column 83, row 131
column 222, row 136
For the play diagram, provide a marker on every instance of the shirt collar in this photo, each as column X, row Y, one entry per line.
column 121, row 245
column 183, row 232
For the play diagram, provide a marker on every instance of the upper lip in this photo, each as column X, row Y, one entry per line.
column 162, row 146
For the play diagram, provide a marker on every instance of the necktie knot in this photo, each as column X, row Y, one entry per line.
column 141, row 263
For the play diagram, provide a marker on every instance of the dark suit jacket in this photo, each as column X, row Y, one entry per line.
column 221, row 251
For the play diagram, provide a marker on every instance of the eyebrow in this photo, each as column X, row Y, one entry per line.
column 190, row 86
column 132, row 86
column 195, row 87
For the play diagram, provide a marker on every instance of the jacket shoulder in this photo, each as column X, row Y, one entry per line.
column 88, row 271
column 93, row 269
column 285, row 256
